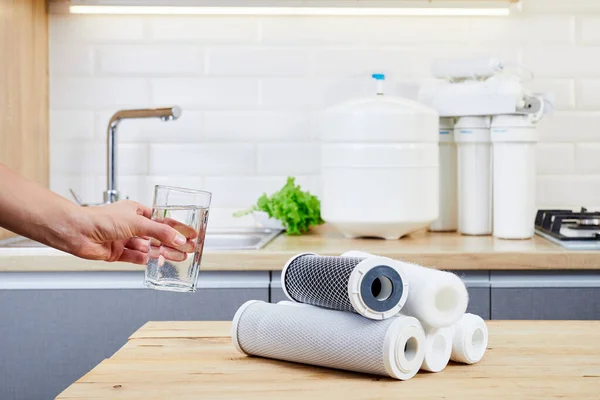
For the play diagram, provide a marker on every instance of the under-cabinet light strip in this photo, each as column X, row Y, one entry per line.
column 333, row 11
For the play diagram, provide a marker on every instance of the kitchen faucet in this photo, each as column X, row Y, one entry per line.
column 111, row 194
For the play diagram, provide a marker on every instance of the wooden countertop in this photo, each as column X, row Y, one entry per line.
column 449, row 251
column 191, row 360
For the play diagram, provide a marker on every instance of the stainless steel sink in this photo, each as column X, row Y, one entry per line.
column 216, row 239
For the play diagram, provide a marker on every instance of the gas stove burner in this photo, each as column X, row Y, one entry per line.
column 593, row 223
column 572, row 229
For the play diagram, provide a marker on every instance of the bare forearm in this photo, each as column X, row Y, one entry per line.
column 33, row 211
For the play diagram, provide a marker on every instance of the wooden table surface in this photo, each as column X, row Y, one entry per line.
column 196, row 360
column 449, row 251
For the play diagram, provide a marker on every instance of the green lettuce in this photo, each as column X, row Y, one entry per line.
column 297, row 210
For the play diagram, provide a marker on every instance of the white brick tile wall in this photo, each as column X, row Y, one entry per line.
column 71, row 59
column 252, row 61
column 71, row 124
column 209, row 93
column 555, row 158
column 224, row 126
column 250, row 88
column 288, row 159
column 417, row 30
column 312, row 30
column 86, row 187
column 562, row 61
column 562, row 91
column 184, row 29
column 348, row 62
column 139, row 59
column 80, row 158
column 568, row 191
column 587, row 94
column 95, row 29
column 589, row 29
column 91, row 93
column 188, row 128
column 587, row 156
column 520, row 30
column 570, row 127
column 202, row 159
column 242, row 192
column 312, row 94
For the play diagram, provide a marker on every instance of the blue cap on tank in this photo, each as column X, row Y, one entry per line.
column 379, row 77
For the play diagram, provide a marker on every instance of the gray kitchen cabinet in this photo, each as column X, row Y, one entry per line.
column 477, row 282
column 559, row 295
column 55, row 327
column 478, row 286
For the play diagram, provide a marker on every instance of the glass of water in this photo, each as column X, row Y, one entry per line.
column 183, row 209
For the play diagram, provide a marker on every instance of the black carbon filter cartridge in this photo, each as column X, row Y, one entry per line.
column 374, row 287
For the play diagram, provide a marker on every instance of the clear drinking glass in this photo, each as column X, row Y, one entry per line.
column 180, row 208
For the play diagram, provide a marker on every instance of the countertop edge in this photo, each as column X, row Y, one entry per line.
column 261, row 260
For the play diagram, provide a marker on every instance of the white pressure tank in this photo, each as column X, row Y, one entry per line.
column 379, row 165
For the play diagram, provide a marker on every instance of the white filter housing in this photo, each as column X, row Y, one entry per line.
column 379, row 163
column 472, row 135
column 448, row 215
column 514, row 138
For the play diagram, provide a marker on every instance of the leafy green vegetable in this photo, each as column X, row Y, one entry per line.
column 297, row 210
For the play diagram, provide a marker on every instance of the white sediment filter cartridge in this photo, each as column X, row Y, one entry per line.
column 374, row 287
column 469, row 339
column 323, row 337
column 438, row 347
column 436, row 298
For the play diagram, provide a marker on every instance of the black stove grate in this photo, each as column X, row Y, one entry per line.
column 550, row 222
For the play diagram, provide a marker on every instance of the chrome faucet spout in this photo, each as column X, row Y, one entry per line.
column 111, row 194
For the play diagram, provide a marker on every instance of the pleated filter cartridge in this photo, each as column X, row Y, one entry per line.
column 374, row 287
column 317, row 336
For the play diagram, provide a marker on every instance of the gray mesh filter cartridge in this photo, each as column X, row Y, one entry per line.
column 436, row 298
column 374, row 287
column 329, row 338
column 438, row 346
column 470, row 339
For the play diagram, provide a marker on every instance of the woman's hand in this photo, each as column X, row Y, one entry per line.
column 122, row 231
column 116, row 232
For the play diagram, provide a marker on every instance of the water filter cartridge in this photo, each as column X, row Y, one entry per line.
column 374, row 287
column 469, row 339
column 436, row 298
column 514, row 139
column 472, row 135
column 438, row 347
column 448, row 205
column 328, row 338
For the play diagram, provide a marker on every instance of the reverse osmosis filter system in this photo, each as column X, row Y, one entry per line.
column 494, row 119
